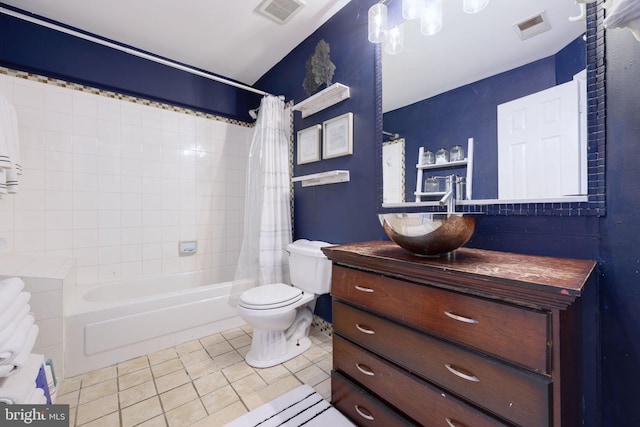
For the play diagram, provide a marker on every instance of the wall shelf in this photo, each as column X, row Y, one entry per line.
column 322, row 178
column 324, row 99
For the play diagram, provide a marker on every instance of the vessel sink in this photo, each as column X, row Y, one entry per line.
column 428, row 234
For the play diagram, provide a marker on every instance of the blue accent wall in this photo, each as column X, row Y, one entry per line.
column 33, row 48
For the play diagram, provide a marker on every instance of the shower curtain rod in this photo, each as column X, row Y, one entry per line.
column 130, row 51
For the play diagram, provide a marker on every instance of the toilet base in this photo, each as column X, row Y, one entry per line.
column 295, row 347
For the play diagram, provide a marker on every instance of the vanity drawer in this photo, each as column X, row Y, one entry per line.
column 361, row 407
column 517, row 334
column 421, row 401
column 515, row 394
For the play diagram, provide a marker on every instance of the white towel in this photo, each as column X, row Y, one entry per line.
column 37, row 397
column 18, row 317
column 623, row 13
column 9, row 290
column 300, row 406
column 16, row 365
column 19, row 388
column 9, row 144
column 16, row 342
column 10, row 313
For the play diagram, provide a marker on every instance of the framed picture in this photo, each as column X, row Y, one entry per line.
column 309, row 144
column 337, row 136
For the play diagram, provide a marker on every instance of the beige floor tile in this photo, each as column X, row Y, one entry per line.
column 106, row 421
column 326, row 364
column 68, row 385
column 210, row 382
column 162, row 356
column 72, row 416
column 95, row 377
column 186, row 414
column 243, row 351
column 240, row 341
column 137, row 394
column 97, row 409
column 315, row 354
column 248, row 329
column 211, row 340
column 134, row 378
column 141, row 411
column 194, row 357
column 270, row 392
column 324, row 389
column 248, row 384
column 237, row 371
column 188, row 347
column 219, row 399
column 171, row 381
column 312, row 375
column 158, row 421
column 201, row 369
column 218, row 348
column 228, row 359
column 328, row 346
column 223, row 416
column 70, row 399
column 233, row 333
column 166, row 367
column 273, row 373
column 178, row 396
column 297, row 363
column 97, row 391
column 133, row 365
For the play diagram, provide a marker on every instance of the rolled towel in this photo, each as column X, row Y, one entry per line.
column 9, row 290
column 18, row 317
column 16, row 342
column 14, row 308
column 38, row 397
column 18, row 388
column 16, row 365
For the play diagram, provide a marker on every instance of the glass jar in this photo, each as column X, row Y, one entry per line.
column 431, row 185
column 457, row 153
column 427, row 158
column 442, row 156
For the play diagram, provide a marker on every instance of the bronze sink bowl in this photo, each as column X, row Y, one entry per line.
column 428, row 234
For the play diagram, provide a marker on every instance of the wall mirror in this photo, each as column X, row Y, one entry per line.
column 441, row 90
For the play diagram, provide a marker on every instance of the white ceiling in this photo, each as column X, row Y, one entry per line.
column 228, row 38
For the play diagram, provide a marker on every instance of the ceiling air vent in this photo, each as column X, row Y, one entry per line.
column 280, row 11
column 532, row 26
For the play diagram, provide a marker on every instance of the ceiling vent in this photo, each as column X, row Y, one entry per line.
column 532, row 26
column 280, row 11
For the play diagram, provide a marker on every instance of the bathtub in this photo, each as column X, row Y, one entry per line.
column 108, row 324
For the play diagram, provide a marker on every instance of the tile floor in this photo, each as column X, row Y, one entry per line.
column 204, row 382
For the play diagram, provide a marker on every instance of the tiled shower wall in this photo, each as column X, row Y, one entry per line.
column 117, row 182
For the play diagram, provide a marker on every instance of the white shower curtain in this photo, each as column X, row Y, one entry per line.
column 267, row 211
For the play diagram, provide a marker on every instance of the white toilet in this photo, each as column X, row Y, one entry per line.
column 281, row 314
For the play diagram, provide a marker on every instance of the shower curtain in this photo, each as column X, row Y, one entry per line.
column 267, row 211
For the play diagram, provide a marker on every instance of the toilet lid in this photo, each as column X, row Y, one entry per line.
column 270, row 296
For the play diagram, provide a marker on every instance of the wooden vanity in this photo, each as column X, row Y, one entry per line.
column 471, row 339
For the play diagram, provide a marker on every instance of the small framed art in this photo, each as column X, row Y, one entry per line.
column 337, row 136
column 309, row 144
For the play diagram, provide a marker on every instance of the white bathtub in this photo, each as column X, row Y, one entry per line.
column 112, row 323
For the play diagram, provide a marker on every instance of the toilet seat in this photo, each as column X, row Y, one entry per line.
column 267, row 297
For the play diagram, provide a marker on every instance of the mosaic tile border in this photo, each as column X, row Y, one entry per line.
column 322, row 325
column 115, row 95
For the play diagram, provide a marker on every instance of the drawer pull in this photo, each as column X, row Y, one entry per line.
column 365, row 329
column 460, row 318
column 450, row 423
column 462, row 375
column 363, row 289
column 364, row 413
column 365, row 369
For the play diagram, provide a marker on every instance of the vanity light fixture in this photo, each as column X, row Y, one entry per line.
column 429, row 12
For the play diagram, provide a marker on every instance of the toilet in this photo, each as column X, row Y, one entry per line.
column 281, row 314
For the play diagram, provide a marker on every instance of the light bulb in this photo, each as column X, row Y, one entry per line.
column 377, row 23
column 431, row 17
column 474, row 6
column 411, row 8
column 395, row 40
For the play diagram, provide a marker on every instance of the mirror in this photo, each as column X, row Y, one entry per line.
column 452, row 94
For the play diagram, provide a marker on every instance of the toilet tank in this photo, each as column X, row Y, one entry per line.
column 310, row 270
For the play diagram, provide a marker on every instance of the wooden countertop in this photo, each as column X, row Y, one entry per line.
column 536, row 280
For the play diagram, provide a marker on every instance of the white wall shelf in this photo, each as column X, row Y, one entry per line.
column 324, row 99
column 322, row 178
